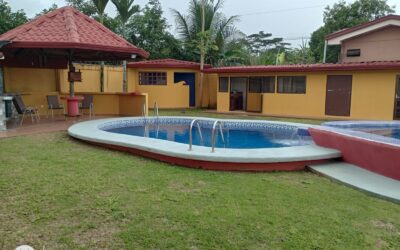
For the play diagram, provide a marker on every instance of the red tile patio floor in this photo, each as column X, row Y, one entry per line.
column 45, row 125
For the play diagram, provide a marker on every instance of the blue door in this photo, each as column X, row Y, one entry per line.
column 189, row 79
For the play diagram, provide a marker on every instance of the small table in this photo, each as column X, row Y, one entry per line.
column 73, row 104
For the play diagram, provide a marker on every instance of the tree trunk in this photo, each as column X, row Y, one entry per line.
column 202, row 53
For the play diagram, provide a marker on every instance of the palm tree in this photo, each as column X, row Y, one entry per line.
column 101, row 6
column 205, row 29
column 126, row 10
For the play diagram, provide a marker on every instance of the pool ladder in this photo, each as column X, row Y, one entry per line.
column 195, row 121
column 156, row 113
column 216, row 123
column 144, row 113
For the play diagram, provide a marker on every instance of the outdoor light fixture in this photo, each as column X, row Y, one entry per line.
column 133, row 56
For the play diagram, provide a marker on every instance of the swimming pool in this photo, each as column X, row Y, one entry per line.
column 232, row 136
column 243, row 145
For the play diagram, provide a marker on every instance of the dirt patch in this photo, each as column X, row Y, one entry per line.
column 384, row 225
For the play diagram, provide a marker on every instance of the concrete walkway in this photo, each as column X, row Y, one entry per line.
column 361, row 179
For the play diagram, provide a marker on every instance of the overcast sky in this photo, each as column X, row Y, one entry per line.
column 290, row 19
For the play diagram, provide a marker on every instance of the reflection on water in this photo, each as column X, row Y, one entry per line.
column 234, row 138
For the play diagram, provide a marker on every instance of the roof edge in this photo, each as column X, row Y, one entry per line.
column 307, row 68
column 361, row 26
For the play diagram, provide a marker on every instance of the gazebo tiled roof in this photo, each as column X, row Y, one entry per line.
column 67, row 27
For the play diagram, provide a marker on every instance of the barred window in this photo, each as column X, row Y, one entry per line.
column 292, row 84
column 152, row 78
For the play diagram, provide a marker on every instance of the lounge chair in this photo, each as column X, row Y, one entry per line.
column 23, row 110
column 54, row 104
column 87, row 103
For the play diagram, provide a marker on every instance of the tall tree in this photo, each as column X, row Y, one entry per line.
column 45, row 11
column 88, row 8
column 126, row 9
column 204, row 30
column 218, row 27
column 100, row 8
column 85, row 6
column 149, row 31
column 344, row 15
column 300, row 55
column 10, row 19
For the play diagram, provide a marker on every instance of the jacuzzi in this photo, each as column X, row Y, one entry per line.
column 373, row 145
column 240, row 145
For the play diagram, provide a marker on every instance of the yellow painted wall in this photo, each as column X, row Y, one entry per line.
column 117, row 103
column 311, row 104
column 91, row 79
column 24, row 80
column 212, row 89
column 172, row 95
column 35, row 84
column 254, row 102
column 223, row 102
column 372, row 96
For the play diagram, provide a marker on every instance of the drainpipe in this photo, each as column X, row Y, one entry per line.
column 124, row 76
column 325, row 47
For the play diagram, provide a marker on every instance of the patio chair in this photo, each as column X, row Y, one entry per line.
column 87, row 103
column 23, row 110
column 53, row 103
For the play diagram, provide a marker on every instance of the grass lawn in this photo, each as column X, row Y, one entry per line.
column 59, row 193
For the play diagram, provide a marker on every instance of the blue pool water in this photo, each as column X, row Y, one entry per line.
column 234, row 138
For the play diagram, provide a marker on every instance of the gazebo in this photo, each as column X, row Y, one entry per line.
column 58, row 38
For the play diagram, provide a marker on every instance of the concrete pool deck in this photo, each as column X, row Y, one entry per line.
column 361, row 179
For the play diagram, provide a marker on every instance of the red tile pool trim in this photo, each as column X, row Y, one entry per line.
column 217, row 166
column 377, row 157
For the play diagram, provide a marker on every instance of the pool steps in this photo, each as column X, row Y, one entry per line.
column 216, row 123
column 195, row 121
column 361, row 179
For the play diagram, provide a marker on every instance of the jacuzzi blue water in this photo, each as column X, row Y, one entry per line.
column 392, row 133
column 239, row 137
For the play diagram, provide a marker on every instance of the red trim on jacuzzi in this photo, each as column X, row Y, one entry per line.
column 377, row 157
column 217, row 166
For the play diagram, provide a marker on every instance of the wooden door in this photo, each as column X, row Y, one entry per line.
column 338, row 95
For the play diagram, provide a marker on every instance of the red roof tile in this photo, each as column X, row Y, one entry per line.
column 385, row 65
column 68, row 28
column 166, row 63
column 361, row 26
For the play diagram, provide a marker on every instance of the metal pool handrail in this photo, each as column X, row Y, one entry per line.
column 144, row 110
column 195, row 121
column 217, row 122
column 156, row 113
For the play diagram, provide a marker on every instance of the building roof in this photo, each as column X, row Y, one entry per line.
column 385, row 65
column 67, row 28
column 336, row 37
column 167, row 63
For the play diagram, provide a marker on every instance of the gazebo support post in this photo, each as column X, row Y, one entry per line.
column 72, row 100
column 71, row 82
